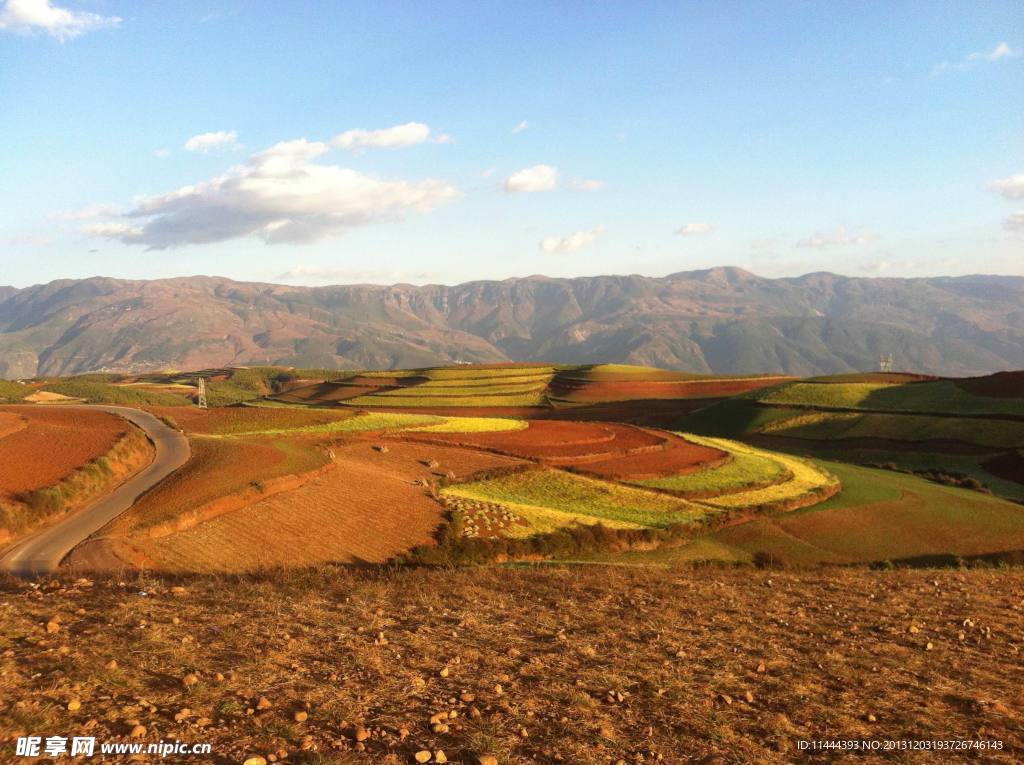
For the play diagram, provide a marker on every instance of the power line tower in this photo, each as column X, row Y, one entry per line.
column 201, row 392
column 885, row 362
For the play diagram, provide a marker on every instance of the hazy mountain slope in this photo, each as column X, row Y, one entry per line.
column 722, row 320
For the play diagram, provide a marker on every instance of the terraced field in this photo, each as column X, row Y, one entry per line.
column 645, row 487
column 941, row 396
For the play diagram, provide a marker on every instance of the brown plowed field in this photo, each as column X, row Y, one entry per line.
column 218, row 468
column 247, row 419
column 677, row 458
column 11, row 423
column 551, row 440
column 583, row 390
column 54, row 443
column 999, row 385
column 368, row 509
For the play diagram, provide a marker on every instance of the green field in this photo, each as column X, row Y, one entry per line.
column 746, row 469
column 929, row 397
column 881, row 515
column 551, row 499
column 1005, row 434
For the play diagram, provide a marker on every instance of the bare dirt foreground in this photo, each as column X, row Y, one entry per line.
column 545, row 664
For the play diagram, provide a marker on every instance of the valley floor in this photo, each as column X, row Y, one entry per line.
column 589, row 664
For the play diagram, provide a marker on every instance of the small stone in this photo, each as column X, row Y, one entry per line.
column 467, row 697
column 439, row 728
column 138, row 731
column 361, row 734
column 263, row 703
column 486, row 759
column 422, row 756
column 761, row 668
column 439, row 756
column 403, row 733
column 725, row 698
column 178, row 591
column 255, row 760
column 912, row 629
column 301, row 716
column 928, row 646
column 498, row 690
column 112, row 664
column 871, row 718
column 748, row 697
column 74, row 705
column 438, row 717
column 444, row 672
column 52, row 626
column 190, row 679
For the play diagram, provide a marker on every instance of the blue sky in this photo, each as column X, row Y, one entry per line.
column 441, row 142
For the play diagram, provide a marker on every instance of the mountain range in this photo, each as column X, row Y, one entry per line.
column 721, row 320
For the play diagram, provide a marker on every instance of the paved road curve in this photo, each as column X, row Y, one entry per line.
column 43, row 552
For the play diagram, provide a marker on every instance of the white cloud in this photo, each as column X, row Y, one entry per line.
column 26, row 16
column 204, row 143
column 97, row 210
column 530, row 179
column 839, row 238
column 409, row 134
column 556, row 244
column 521, row 127
column 280, row 195
column 695, row 229
column 1011, row 187
column 1014, row 222
column 585, row 184
column 1000, row 52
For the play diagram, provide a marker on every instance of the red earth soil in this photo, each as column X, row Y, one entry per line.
column 613, row 391
column 552, row 440
column 55, row 443
column 1008, row 466
column 678, row 458
column 659, row 413
column 999, row 385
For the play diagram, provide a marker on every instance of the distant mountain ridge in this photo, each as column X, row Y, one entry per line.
column 721, row 320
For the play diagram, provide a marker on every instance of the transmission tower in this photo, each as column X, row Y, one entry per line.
column 201, row 393
column 885, row 362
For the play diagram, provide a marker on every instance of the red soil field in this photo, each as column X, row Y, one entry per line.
column 53, row 445
column 660, row 413
column 999, row 385
column 613, row 391
column 553, row 441
column 370, row 507
column 11, row 423
column 678, row 458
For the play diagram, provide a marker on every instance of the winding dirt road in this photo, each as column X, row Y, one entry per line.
column 42, row 552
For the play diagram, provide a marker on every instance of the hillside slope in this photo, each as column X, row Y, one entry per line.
column 723, row 320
